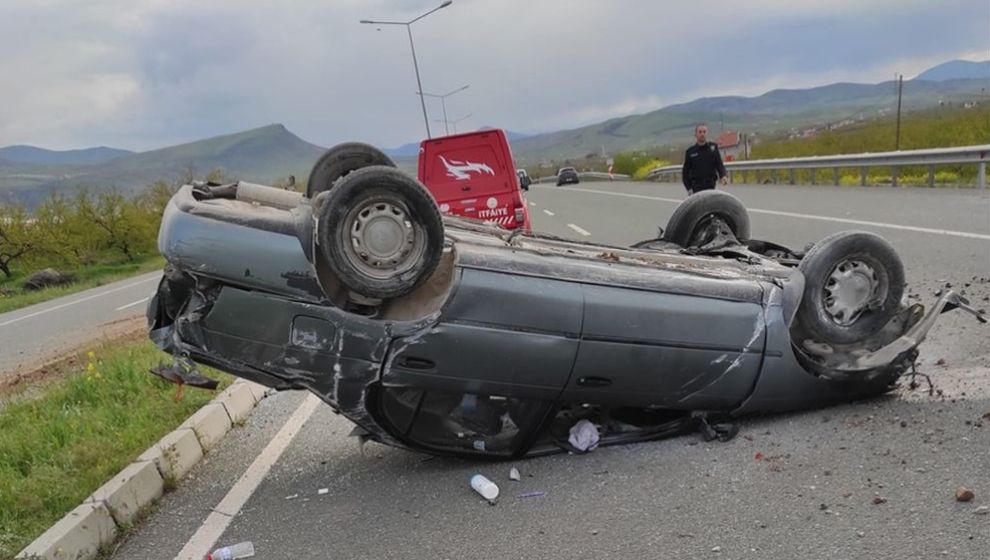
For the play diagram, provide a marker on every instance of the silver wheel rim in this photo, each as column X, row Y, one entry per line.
column 381, row 240
column 852, row 288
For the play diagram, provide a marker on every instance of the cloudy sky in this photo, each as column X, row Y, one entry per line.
column 141, row 74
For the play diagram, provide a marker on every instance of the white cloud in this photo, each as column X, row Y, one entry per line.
column 146, row 73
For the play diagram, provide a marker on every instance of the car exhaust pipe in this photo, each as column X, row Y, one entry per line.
column 268, row 196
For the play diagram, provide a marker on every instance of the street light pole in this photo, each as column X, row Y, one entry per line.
column 443, row 102
column 456, row 121
column 422, row 102
column 412, row 47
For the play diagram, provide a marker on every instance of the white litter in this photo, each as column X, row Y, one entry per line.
column 292, row 496
column 322, row 491
column 485, row 487
column 584, row 436
column 514, row 474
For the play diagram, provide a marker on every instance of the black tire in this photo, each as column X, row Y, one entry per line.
column 822, row 264
column 698, row 207
column 384, row 206
column 341, row 160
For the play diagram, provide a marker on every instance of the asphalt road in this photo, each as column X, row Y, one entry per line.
column 31, row 335
column 810, row 495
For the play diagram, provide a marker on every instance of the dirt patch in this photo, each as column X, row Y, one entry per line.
column 41, row 370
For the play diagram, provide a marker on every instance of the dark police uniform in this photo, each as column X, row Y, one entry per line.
column 702, row 167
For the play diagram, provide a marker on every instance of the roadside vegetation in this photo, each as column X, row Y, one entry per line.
column 87, row 240
column 943, row 127
column 936, row 128
column 62, row 441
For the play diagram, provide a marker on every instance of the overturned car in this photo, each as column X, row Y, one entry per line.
column 452, row 336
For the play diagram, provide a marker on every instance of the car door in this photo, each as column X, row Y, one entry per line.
column 646, row 348
column 486, row 374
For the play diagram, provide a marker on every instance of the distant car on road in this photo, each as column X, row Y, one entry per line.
column 524, row 180
column 452, row 336
column 567, row 175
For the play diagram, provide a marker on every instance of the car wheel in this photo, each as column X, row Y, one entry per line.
column 341, row 160
column 854, row 282
column 380, row 232
column 698, row 209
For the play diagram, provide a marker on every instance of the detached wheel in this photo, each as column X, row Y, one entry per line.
column 341, row 160
column 854, row 282
column 380, row 232
column 699, row 209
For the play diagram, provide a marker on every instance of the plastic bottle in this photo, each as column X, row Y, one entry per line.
column 485, row 487
column 239, row 550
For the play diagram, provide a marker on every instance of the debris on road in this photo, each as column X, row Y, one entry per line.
column 982, row 510
column 239, row 550
column 486, row 488
column 584, row 436
column 514, row 474
column 182, row 372
column 536, row 494
column 964, row 494
column 609, row 256
column 716, row 549
column 322, row 491
column 292, row 496
column 877, row 500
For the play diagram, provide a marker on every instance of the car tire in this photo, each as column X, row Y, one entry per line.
column 380, row 232
column 854, row 282
column 698, row 207
column 341, row 160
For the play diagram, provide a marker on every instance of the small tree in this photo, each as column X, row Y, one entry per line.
column 63, row 233
column 119, row 221
column 16, row 241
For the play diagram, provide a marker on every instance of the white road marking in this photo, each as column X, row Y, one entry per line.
column 216, row 523
column 954, row 233
column 579, row 230
column 548, row 213
column 133, row 303
column 80, row 300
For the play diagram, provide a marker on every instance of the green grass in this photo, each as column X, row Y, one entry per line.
column 86, row 277
column 61, row 442
column 934, row 128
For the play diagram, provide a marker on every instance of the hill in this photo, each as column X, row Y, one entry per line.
column 263, row 155
column 32, row 154
column 773, row 112
column 412, row 149
column 956, row 70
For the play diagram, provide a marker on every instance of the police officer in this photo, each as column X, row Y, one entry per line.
column 702, row 163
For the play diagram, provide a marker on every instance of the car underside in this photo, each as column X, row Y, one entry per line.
column 486, row 342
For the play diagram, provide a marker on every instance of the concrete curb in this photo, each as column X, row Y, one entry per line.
column 82, row 533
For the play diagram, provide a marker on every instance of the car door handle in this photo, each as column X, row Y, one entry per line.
column 594, row 381
column 465, row 189
column 412, row 362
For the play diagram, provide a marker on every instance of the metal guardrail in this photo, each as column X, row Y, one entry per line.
column 596, row 175
column 977, row 155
